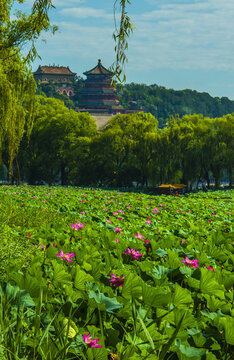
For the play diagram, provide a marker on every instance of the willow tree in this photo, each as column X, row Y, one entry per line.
column 17, row 86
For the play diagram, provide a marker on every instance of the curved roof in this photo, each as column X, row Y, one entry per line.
column 98, row 69
column 57, row 70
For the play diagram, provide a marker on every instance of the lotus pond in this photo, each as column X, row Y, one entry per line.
column 92, row 274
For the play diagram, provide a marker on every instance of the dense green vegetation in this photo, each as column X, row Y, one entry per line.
column 157, row 100
column 66, row 148
column 146, row 277
column 163, row 103
column 17, row 87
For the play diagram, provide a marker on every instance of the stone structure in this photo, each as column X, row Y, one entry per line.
column 98, row 95
column 60, row 76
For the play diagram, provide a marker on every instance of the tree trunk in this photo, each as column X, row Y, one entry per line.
column 63, row 175
column 230, row 176
column 207, row 177
column 18, row 172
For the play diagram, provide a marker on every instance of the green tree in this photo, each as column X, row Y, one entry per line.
column 55, row 141
column 224, row 156
column 127, row 142
column 17, row 86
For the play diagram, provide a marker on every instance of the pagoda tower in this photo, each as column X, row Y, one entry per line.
column 98, row 95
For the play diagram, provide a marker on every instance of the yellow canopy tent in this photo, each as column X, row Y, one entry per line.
column 166, row 186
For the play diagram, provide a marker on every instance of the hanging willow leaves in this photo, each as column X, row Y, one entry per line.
column 17, row 86
column 120, row 35
column 17, row 89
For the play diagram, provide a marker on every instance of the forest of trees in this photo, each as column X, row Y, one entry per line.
column 157, row 100
column 163, row 103
column 65, row 147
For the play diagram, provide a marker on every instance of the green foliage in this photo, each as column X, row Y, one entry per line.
column 17, row 86
column 164, row 103
column 66, row 148
column 162, row 311
column 55, row 142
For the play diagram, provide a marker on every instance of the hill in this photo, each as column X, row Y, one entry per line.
column 157, row 100
column 163, row 103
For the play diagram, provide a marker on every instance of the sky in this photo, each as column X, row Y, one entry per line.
column 179, row 44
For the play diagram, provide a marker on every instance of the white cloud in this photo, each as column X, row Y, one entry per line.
column 66, row 3
column 183, row 36
column 86, row 12
column 76, row 44
column 196, row 35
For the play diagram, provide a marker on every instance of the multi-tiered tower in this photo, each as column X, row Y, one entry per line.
column 98, row 95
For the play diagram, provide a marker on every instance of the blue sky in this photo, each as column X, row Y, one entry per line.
column 178, row 44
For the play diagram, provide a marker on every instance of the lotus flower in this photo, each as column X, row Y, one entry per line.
column 117, row 280
column 135, row 254
column 139, row 236
column 66, row 256
column 77, row 226
column 89, row 342
column 190, row 263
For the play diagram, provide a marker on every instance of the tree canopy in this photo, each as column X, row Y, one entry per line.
column 17, row 87
column 65, row 148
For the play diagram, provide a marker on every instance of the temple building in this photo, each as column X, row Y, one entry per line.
column 60, row 76
column 99, row 96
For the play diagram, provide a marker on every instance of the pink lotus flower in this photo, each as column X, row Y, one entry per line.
column 210, row 220
column 146, row 241
column 148, row 222
column 83, row 213
column 89, row 342
column 210, row 268
column 117, row 280
column 190, row 263
column 139, row 236
column 77, row 226
column 108, row 220
column 135, row 254
column 183, row 241
column 119, row 218
column 115, row 213
column 42, row 247
column 28, row 235
column 116, row 240
column 66, row 256
column 118, row 230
